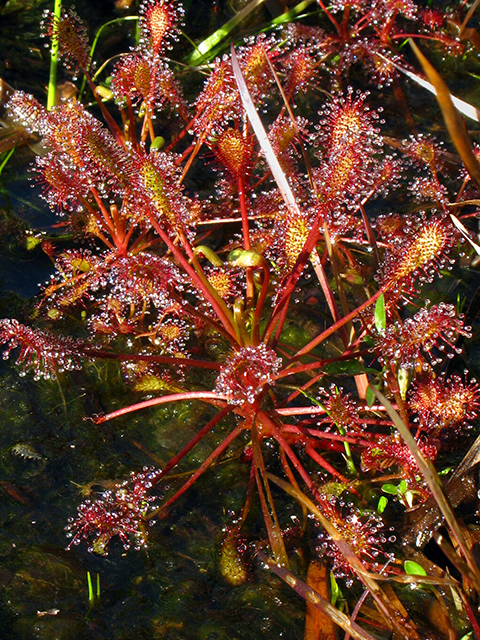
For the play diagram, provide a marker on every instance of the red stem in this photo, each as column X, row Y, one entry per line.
column 320, row 460
column 348, row 355
column 194, row 441
column 329, row 15
column 203, row 467
column 288, row 450
column 328, row 332
column 112, row 125
column 207, row 396
column 134, row 357
column 195, row 278
column 244, row 212
column 246, row 238
column 180, row 135
column 334, row 437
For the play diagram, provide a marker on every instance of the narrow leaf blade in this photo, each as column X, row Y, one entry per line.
column 262, row 137
column 465, row 108
column 453, row 120
column 380, row 315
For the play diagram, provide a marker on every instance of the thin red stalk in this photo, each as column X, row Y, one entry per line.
column 118, row 222
column 203, row 467
column 105, row 214
column 278, row 316
column 144, row 130
column 192, row 157
column 288, row 450
column 188, row 309
column 151, row 131
column 320, row 460
column 193, row 442
column 259, row 306
column 248, row 500
column 131, row 125
column 318, row 364
column 100, row 220
column 203, row 223
column 263, row 179
column 372, row 241
column 350, row 354
column 325, row 435
column 328, row 332
column 327, row 290
column 346, row 13
column 141, row 243
column 329, row 15
column 470, row 613
column 207, row 396
column 59, row 285
column 128, row 235
column 185, row 154
column 196, row 280
column 288, row 108
column 404, row 36
column 135, row 357
column 112, row 125
column 300, row 411
column 360, row 604
column 246, row 237
column 103, row 219
column 304, row 387
column 181, row 135
column 244, row 212
column 385, row 30
column 185, row 244
column 366, row 18
column 227, row 313
column 347, row 334
column 287, row 469
column 101, row 223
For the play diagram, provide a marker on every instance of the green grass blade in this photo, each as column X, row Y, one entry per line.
column 52, row 79
column 288, row 16
column 205, row 47
column 91, row 594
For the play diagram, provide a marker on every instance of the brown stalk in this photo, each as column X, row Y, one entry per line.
column 434, row 483
column 266, row 500
column 395, row 618
column 315, row 599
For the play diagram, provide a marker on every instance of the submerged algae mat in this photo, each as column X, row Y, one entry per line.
column 171, row 590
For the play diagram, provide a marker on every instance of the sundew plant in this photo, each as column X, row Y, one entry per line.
column 297, row 292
